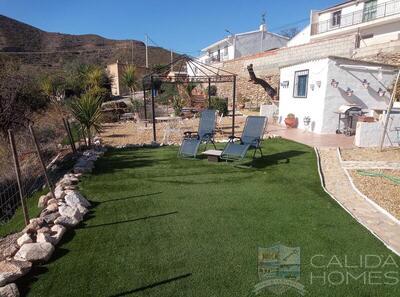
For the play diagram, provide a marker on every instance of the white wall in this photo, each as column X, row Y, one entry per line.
column 322, row 103
column 347, row 19
column 311, row 106
column 381, row 34
column 369, row 134
column 302, row 37
column 352, row 78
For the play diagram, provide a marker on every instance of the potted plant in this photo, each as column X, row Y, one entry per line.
column 291, row 121
column 242, row 102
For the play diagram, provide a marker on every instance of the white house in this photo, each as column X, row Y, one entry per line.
column 242, row 44
column 318, row 88
column 374, row 21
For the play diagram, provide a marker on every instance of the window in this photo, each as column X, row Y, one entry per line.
column 370, row 10
column 336, row 18
column 300, row 84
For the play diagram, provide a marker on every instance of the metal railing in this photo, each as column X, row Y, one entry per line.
column 357, row 17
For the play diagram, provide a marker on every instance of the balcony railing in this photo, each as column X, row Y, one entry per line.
column 358, row 17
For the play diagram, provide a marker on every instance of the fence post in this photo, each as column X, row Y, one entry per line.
column 49, row 184
column 18, row 174
column 70, row 136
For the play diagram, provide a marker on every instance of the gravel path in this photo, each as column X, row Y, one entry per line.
column 338, row 184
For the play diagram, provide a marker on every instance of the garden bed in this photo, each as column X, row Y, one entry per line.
column 383, row 191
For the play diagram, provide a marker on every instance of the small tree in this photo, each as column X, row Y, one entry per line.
column 54, row 89
column 290, row 32
column 129, row 79
column 87, row 111
column 213, row 90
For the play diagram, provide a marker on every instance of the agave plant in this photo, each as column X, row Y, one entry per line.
column 87, row 111
column 129, row 79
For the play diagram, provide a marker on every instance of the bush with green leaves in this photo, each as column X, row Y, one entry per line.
column 129, row 79
column 87, row 111
column 177, row 104
column 137, row 105
column 213, row 90
column 220, row 104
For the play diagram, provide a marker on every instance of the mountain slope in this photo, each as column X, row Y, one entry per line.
column 37, row 47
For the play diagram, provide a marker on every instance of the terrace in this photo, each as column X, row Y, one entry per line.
column 357, row 18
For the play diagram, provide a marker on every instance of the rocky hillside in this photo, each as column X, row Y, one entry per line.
column 40, row 48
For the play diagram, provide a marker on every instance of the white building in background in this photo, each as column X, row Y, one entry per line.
column 318, row 88
column 375, row 21
column 242, row 44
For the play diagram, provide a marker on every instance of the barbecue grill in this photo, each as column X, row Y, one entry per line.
column 348, row 115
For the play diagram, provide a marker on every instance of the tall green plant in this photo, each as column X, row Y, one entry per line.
column 87, row 111
column 129, row 79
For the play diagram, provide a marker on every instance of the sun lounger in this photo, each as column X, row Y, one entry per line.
column 252, row 136
column 206, row 132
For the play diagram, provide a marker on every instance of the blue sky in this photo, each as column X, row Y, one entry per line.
column 183, row 25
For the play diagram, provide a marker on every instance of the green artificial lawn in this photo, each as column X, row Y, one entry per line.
column 162, row 226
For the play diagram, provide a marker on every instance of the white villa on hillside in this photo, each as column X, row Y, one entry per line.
column 242, row 44
column 374, row 21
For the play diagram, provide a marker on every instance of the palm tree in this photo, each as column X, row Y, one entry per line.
column 129, row 79
column 87, row 111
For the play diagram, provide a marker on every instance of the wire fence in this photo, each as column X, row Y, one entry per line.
column 54, row 147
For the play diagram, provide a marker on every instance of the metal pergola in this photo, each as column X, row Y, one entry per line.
column 201, row 73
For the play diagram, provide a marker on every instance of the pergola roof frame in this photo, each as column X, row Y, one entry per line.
column 210, row 74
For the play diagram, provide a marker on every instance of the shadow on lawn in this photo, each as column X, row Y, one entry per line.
column 129, row 221
column 24, row 284
column 130, row 197
column 274, row 159
column 111, row 166
column 140, row 289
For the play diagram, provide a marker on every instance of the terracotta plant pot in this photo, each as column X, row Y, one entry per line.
column 291, row 122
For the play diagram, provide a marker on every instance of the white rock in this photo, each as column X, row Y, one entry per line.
column 66, row 221
column 73, row 197
column 52, row 207
column 43, row 237
column 83, row 210
column 43, row 201
column 51, row 217
column 69, row 211
column 11, row 290
column 59, row 232
column 25, row 238
column 35, row 252
column 13, row 270
column 59, row 192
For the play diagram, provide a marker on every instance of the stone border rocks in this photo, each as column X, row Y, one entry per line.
column 37, row 241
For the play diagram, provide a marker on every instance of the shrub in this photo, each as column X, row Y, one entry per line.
column 137, row 105
column 213, row 90
column 20, row 97
column 177, row 104
column 129, row 79
column 291, row 116
column 220, row 104
column 87, row 111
